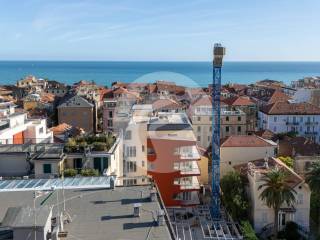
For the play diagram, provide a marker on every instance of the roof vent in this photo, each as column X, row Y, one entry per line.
column 153, row 195
column 136, row 209
column 160, row 217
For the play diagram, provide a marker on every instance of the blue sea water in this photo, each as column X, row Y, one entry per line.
column 184, row 73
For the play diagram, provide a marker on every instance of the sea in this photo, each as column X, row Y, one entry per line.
column 190, row 74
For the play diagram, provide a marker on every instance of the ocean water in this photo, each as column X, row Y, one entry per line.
column 183, row 73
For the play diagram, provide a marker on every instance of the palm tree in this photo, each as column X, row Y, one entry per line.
column 313, row 179
column 276, row 190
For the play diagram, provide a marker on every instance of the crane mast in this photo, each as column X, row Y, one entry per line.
column 218, row 53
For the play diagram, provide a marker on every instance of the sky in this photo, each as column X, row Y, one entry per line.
column 153, row 30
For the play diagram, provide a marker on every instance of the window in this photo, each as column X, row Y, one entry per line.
column 199, row 119
column 300, row 198
column 275, row 119
column 128, row 135
column 199, row 129
column 239, row 128
column 129, row 182
column 47, row 168
column 110, row 114
column 227, row 118
column 131, row 151
column 198, row 138
column 210, row 119
column 239, row 119
column 301, row 119
column 142, row 148
column 142, row 163
column 275, row 129
column 40, row 130
column 210, row 129
column 131, row 166
column 209, row 138
column 110, row 124
column 227, row 128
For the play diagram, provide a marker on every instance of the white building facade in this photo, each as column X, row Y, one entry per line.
column 301, row 118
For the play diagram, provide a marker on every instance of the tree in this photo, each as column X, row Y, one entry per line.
column 234, row 194
column 248, row 231
column 276, row 190
column 313, row 179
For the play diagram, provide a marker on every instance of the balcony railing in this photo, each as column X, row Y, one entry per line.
column 187, row 184
column 188, row 169
column 311, row 123
column 310, row 133
column 292, row 123
column 192, row 153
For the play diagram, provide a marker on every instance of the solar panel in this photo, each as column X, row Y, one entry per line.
column 57, row 183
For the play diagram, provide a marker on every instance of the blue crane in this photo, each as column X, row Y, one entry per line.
column 218, row 52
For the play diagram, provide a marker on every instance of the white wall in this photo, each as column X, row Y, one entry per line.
column 240, row 155
column 278, row 124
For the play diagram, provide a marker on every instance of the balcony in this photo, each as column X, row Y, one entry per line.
column 188, row 198
column 292, row 123
column 188, row 183
column 311, row 123
column 310, row 133
column 190, row 152
column 190, row 168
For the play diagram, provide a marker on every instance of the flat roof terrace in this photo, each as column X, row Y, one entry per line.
column 99, row 214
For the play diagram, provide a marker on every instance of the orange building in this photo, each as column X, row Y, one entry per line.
column 173, row 157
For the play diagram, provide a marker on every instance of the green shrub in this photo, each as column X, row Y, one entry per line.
column 71, row 145
column 70, row 172
column 247, row 231
column 89, row 172
column 99, row 146
column 287, row 161
column 290, row 232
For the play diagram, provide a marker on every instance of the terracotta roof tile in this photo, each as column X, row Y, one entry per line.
column 165, row 103
column 245, row 141
column 286, row 108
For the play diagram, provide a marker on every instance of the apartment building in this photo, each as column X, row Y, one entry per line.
column 233, row 120
column 235, row 150
column 135, row 145
column 17, row 128
column 261, row 215
column 249, row 107
column 282, row 117
column 173, row 157
column 116, row 108
column 77, row 112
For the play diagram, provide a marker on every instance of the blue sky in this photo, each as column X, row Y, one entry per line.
column 252, row 30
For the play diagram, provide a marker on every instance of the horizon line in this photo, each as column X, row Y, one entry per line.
column 156, row 61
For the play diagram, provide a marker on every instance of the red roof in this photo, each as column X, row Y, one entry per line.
column 286, row 108
column 245, row 141
column 278, row 96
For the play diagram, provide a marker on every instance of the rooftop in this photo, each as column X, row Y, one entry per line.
column 246, row 141
column 263, row 166
column 98, row 213
column 286, row 108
